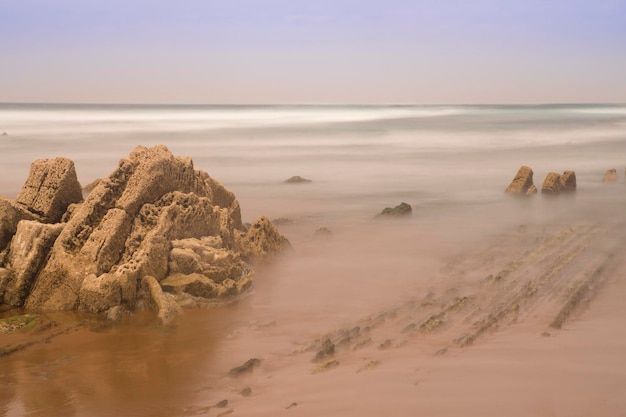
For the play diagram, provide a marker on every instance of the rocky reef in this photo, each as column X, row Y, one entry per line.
column 554, row 184
column 156, row 234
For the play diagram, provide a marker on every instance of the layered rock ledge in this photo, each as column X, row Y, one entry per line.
column 156, row 234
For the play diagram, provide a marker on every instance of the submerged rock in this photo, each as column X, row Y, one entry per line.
column 522, row 181
column 296, row 179
column 155, row 223
column 402, row 209
column 610, row 176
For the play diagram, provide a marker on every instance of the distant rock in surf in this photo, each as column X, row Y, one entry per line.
column 156, row 233
column 610, row 176
column 401, row 210
column 93, row 184
column 297, row 180
column 5, row 134
column 531, row 190
column 522, row 181
column 552, row 184
column 568, row 181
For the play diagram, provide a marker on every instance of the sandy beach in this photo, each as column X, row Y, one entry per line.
column 478, row 304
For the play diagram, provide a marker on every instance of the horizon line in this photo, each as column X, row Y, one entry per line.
column 304, row 104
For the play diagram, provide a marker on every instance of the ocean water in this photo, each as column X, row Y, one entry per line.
column 358, row 157
column 450, row 163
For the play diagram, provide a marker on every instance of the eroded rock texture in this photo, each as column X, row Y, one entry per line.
column 522, row 181
column 155, row 216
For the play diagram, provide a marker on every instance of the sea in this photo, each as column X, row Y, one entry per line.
column 451, row 163
column 359, row 158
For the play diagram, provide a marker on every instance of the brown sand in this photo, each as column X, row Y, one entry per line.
column 476, row 342
column 427, row 318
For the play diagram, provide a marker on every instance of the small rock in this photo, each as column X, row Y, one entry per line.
column 610, row 176
column 246, row 392
column 327, row 364
column 403, row 209
column 5, row 134
column 441, row 352
column 292, row 405
column 370, row 365
column 531, row 190
column 245, row 368
column 545, row 334
column 221, row 404
column 328, row 349
column 385, row 345
column 282, row 221
column 296, row 179
column 324, row 232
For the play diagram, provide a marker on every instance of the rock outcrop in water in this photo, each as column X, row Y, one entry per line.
column 610, row 176
column 156, row 233
column 568, row 181
column 553, row 184
column 401, row 210
column 522, row 181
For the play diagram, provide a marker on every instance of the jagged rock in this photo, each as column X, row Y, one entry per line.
column 324, row 232
column 568, row 181
column 552, row 184
column 127, row 222
column 207, row 257
column 403, row 209
column 184, row 261
column 247, row 367
column 29, row 250
column 51, row 186
column 531, row 190
column 522, row 181
column 327, row 349
column 296, row 179
column 197, row 285
column 89, row 187
column 167, row 309
column 100, row 293
column 263, row 241
column 155, row 223
column 610, row 176
column 10, row 215
column 5, row 276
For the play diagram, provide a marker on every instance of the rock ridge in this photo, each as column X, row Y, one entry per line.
column 155, row 219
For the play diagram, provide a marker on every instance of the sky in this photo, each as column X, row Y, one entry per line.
column 313, row 51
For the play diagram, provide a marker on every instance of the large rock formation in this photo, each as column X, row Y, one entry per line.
column 155, row 216
column 522, row 181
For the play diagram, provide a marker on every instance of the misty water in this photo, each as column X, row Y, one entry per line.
column 450, row 163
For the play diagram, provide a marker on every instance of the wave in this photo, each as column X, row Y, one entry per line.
column 101, row 119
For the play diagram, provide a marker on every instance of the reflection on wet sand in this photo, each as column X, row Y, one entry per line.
column 139, row 369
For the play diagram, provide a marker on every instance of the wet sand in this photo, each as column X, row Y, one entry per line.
column 445, row 315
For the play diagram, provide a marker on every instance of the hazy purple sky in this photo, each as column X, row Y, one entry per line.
column 314, row 51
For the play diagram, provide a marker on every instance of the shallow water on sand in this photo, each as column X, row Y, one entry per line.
column 451, row 163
